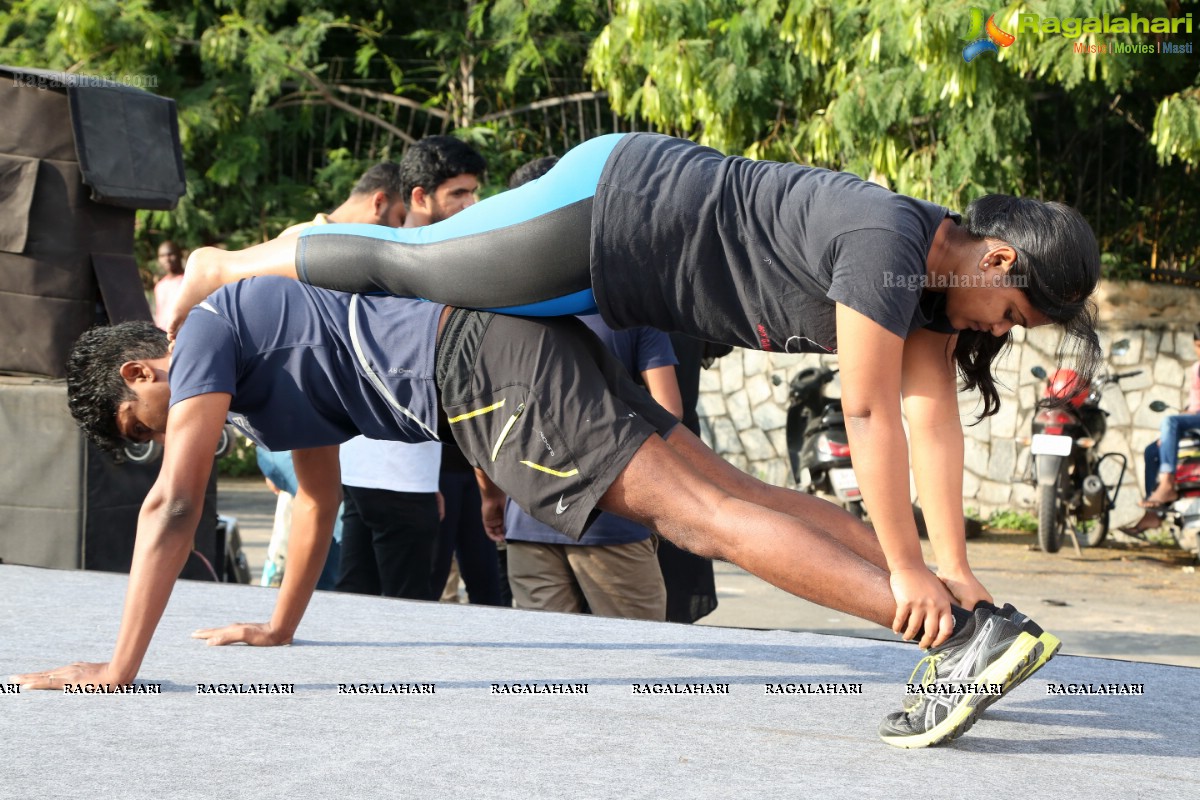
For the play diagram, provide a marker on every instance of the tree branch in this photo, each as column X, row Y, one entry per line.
column 551, row 102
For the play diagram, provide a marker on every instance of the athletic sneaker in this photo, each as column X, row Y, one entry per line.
column 973, row 669
column 1050, row 642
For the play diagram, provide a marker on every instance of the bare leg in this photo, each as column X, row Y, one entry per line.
column 669, row 494
column 824, row 516
column 210, row 268
column 1164, row 493
column 1149, row 521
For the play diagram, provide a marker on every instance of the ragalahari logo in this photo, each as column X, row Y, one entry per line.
column 984, row 38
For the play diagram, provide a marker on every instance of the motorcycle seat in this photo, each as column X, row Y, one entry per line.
column 833, row 411
column 831, row 416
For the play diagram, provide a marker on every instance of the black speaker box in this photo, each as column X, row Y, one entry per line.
column 66, row 504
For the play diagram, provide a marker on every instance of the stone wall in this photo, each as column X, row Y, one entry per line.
column 743, row 413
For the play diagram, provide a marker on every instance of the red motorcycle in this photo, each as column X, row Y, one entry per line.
column 1067, row 431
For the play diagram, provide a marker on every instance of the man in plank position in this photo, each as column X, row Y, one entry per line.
column 544, row 412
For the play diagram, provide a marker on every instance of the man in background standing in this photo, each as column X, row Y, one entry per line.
column 376, row 199
column 391, row 488
column 170, row 261
column 440, row 176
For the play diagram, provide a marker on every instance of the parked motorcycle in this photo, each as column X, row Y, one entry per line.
column 1066, row 458
column 819, row 447
column 1182, row 517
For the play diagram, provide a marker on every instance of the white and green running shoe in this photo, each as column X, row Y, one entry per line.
column 1050, row 642
column 973, row 669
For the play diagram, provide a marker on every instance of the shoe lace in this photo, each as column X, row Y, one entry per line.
column 930, row 663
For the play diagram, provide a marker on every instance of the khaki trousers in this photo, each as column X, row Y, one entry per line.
column 621, row 580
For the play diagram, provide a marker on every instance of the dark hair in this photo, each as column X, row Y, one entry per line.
column 383, row 177
column 1058, row 265
column 436, row 159
column 94, row 384
column 531, row 171
column 1196, row 333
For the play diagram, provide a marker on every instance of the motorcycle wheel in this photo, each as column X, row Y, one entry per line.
column 973, row 528
column 227, row 441
column 1051, row 519
column 1097, row 532
column 143, row 452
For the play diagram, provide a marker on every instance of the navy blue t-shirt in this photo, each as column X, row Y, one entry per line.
column 308, row 367
column 639, row 349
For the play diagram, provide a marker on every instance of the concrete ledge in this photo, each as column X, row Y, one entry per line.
column 465, row 740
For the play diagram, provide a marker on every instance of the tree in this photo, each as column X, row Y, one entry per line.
column 883, row 89
column 282, row 103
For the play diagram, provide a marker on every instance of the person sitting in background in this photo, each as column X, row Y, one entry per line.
column 1162, row 456
column 280, row 475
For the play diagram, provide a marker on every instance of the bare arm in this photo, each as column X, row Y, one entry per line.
column 165, row 535
column 663, row 386
column 870, row 358
column 930, row 389
column 493, row 506
column 314, row 511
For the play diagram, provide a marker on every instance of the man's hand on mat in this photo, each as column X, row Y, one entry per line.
column 75, row 674
column 255, row 634
column 922, row 606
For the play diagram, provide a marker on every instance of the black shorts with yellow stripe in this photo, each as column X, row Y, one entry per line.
column 544, row 409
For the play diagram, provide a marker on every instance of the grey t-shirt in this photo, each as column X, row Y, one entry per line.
column 755, row 253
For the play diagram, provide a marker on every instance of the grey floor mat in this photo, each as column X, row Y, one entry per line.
column 466, row 741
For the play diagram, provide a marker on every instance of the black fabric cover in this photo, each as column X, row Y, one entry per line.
column 126, row 140
column 18, row 176
column 66, row 260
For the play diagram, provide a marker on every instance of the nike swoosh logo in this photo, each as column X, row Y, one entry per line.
column 560, row 508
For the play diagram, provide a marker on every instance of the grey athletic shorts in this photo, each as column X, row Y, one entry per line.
column 544, row 409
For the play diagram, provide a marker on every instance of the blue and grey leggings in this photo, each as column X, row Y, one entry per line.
column 526, row 251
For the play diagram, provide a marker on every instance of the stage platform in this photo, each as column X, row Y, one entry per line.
column 727, row 738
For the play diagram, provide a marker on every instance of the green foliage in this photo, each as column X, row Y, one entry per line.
column 226, row 67
column 241, row 460
column 882, row 89
column 1008, row 520
column 1177, row 127
column 282, row 101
